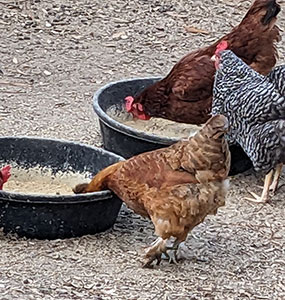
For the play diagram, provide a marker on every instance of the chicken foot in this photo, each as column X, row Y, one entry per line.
column 154, row 252
column 159, row 250
column 270, row 184
column 265, row 193
column 171, row 252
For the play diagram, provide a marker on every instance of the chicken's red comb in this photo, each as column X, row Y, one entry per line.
column 223, row 45
column 5, row 173
column 129, row 102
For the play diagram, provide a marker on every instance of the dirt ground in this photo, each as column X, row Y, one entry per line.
column 54, row 56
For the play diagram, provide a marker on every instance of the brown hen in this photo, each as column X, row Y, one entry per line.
column 176, row 187
column 185, row 94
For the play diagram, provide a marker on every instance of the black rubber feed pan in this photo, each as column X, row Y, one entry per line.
column 56, row 216
column 127, row 141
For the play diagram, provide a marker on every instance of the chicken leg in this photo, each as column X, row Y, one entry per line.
column 171, row 252
column 273, row 187
column 154, row 252
column 265, row 193
column 159, row 250
column 269, row 185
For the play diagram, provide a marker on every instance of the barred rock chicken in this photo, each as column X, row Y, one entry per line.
column 176, row 187
column 185, row 94
column 255, row 109
column 4, row 175
column 277, row 77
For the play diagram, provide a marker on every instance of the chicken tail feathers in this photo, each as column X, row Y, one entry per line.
column 99, row 181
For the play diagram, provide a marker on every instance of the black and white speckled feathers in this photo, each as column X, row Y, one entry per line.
column 255, row 107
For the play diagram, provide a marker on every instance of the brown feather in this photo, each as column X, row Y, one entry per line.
column 185, row 94
column 178, row 186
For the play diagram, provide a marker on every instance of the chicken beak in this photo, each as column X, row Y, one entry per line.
column 213, row 58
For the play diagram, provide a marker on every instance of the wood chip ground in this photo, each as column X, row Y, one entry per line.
column 54, row 56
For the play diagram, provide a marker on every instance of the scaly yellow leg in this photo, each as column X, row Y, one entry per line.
column 265, row 193
column 273, row 187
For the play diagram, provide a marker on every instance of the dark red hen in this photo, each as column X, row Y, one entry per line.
column 185, row 94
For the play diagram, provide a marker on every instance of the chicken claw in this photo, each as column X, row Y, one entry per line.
column 171, row 256
column 257, row 199
column 171, row 252
column 264, row 198
column 154, row 252
column 148, row 263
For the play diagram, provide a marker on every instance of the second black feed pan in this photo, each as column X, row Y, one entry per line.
column 127, row 141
